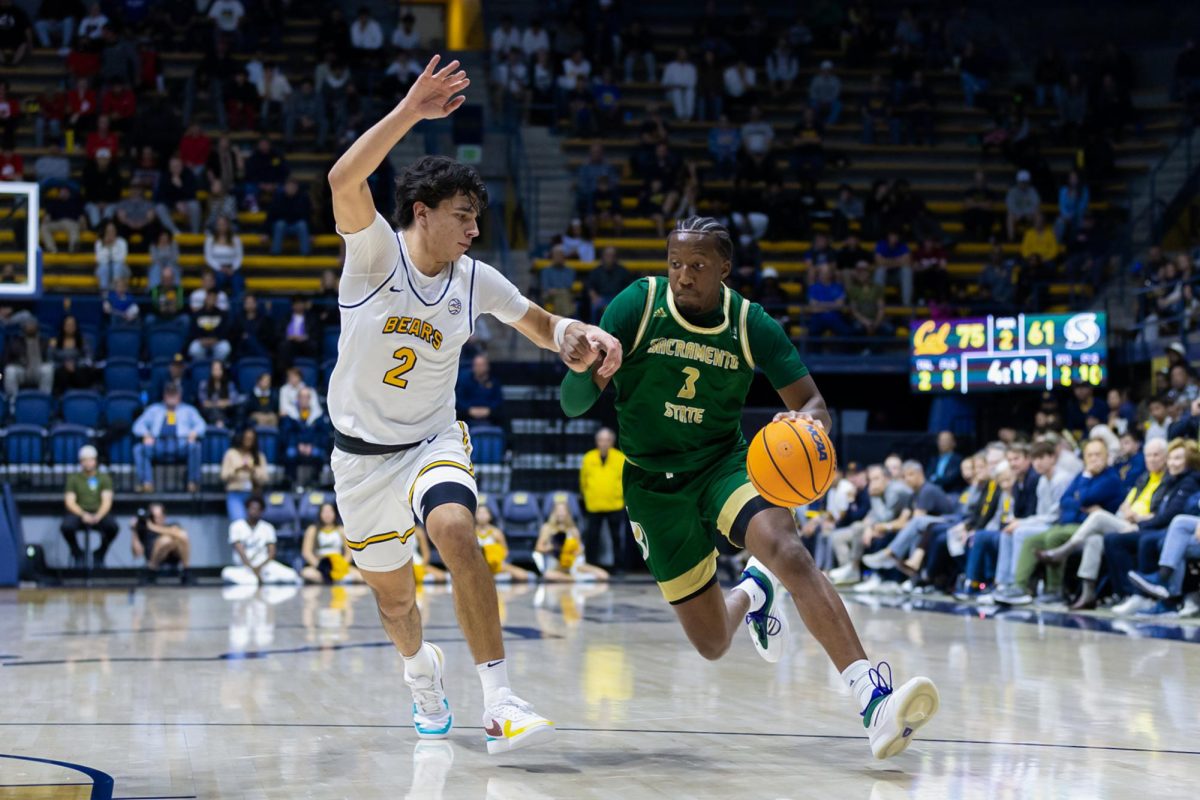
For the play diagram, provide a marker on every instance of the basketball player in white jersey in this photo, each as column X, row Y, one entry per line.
column 409, row 300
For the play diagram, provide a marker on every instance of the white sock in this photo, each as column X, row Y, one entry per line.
column 422, row 662
column 494, row 677
column 860, row 685
column 758, row 598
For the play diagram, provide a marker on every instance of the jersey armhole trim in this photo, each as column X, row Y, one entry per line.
column 374, row 291
column 742, row 319
column 471, row 300
column 645, row 323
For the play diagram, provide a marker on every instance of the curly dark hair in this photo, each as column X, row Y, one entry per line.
column 432, row 179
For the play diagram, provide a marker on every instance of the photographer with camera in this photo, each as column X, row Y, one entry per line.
column 159, row 542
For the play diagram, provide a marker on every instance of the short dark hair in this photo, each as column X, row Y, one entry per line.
column 257, row 501
column 1134, row 433
column 711, row 227
column 432, row 179
column 1042, row 449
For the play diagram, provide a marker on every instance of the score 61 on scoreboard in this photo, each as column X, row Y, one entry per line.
column 999, row 352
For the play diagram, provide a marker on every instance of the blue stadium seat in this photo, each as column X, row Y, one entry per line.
column 216, row 442
column 120, row 449
column 309, row 372
column 572, row 498
column 280, row 509
column 65, row 441
column 247, row 370
column 310, row 506
column 487, row 444
column 522, row 517
column 82, row 408
column 329, row 343
column 121, row 375
column 268, row 442
column 49, row 311
column 123, row 342
column 195, row 374
column 33, row 408
column 121, row 409
column 87, row 310
column 25, row 444
column 164, row 341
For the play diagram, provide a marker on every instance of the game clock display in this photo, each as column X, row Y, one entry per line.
column 998, row 353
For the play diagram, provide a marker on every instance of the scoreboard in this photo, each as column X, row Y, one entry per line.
column 999, row 353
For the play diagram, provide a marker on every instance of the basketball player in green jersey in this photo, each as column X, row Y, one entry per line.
column 690, row 348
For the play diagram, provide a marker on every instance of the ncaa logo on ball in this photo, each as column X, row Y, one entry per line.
column 822, row 451
column 1081, row 332
column 455, row 305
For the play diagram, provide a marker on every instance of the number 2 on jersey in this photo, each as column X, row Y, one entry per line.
column 690, row 376
column 408, row 360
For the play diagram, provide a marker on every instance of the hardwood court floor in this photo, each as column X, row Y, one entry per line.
column 284, row 693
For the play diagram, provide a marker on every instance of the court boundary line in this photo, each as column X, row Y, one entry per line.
column 565, row 729
column 102, row 782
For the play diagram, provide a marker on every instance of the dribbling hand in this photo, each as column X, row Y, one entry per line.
column 584, row 344
column 799, row 416
column 433, row 94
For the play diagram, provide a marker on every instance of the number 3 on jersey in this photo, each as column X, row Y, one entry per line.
column 690, row 376
column 408, row 360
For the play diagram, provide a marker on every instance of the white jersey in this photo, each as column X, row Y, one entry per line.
column 256, row 540
column 402, row 333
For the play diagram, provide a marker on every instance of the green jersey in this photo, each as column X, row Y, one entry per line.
column 683, row 383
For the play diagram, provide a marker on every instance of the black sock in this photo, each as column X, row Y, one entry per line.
column 1164, row 575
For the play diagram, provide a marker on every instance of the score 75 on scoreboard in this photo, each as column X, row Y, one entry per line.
column 997, row 353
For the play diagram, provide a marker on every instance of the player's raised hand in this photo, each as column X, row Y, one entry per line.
column 799, row 416
column 604, row 344
column 435, row 93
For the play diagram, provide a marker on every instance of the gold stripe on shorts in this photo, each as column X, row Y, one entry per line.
column 381, row 537
column 433, row 465
column 733, row 506
column 691, row 581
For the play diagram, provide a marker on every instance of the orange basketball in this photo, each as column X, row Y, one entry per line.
column 791, row 462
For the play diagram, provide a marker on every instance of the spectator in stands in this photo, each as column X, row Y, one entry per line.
column 290, row 215
column 326, row 554
column 164, row 254
column 808, row 150
column 740, row 82
column 136, row 215
column 88, row 500
column 119, row 104
column 209, row 334
column 1022, row 203
column 1040, row 241
column 253, row 540
column 574, row 68
column 576, row 242
column 274, row 90
column 220, row 204
column 505, row 38
column 850, row 253
column 304, row 436
column 479, row 396
column 825, row 94
column 177, row 195
column 865, row 302
column 974, row 72
column 997, row 282
column 757, row 135
column 847, row 210
column 112, row 253
column 119, row 60
column 874, row 109
column 262, row 403
column 243, row 471
column 912, row 122
column 10, row 113
column 195, row 148
column 72, row 358
column 289, row 394
column 170, row 431
column 219, row 398
column 225, row 168
column 606, row 281
column 166, row 299
column 63, row 214
column 146, row 173
column 159, row 541
column 782, row 68
column 978, row 216
column 16, row 33
column 306, row 110
column 724, row 144
column 534, row 38
column 103, row 138
column 57, row 17
column 1073, row 200
column 208, row 283
column 603, row 207
column 266, row 170
column 12, row 165
column 1158, row 419
column 1084, row 410
column 554, row 284
column 638, row 45
column 827, row 304
column 559, row 554
column 119, row 305
column 91, row 27
column 928, row 501
column 253, row 333
column 223, row 255
column 299, row 334
column 603, row 500
column 590, row 172
column 893, row 256
column 26, row 361
column 943, row 469
column 679, row 80
column 888, row 497
column 710, row 88
column 931, row 281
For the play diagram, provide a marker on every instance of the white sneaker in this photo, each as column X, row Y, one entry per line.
column 430, row 709
column 871, row 584
column 1132, row 605
column 768, row 626
column 892, row 717
column 881, row 559
column 845, row 574
column 1191, row 606
column 512, row 724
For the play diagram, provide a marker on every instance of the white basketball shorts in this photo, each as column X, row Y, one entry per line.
column 380, row 497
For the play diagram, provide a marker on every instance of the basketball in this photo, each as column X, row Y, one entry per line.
column 791, row 462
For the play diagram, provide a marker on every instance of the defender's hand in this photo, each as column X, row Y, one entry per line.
column 584, row 344
column 432, row 95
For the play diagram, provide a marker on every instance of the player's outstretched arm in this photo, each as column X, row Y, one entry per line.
column 434, row 95
column 580, row 345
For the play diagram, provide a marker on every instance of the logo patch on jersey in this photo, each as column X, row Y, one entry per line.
column 455, row 305
column 658, row 312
